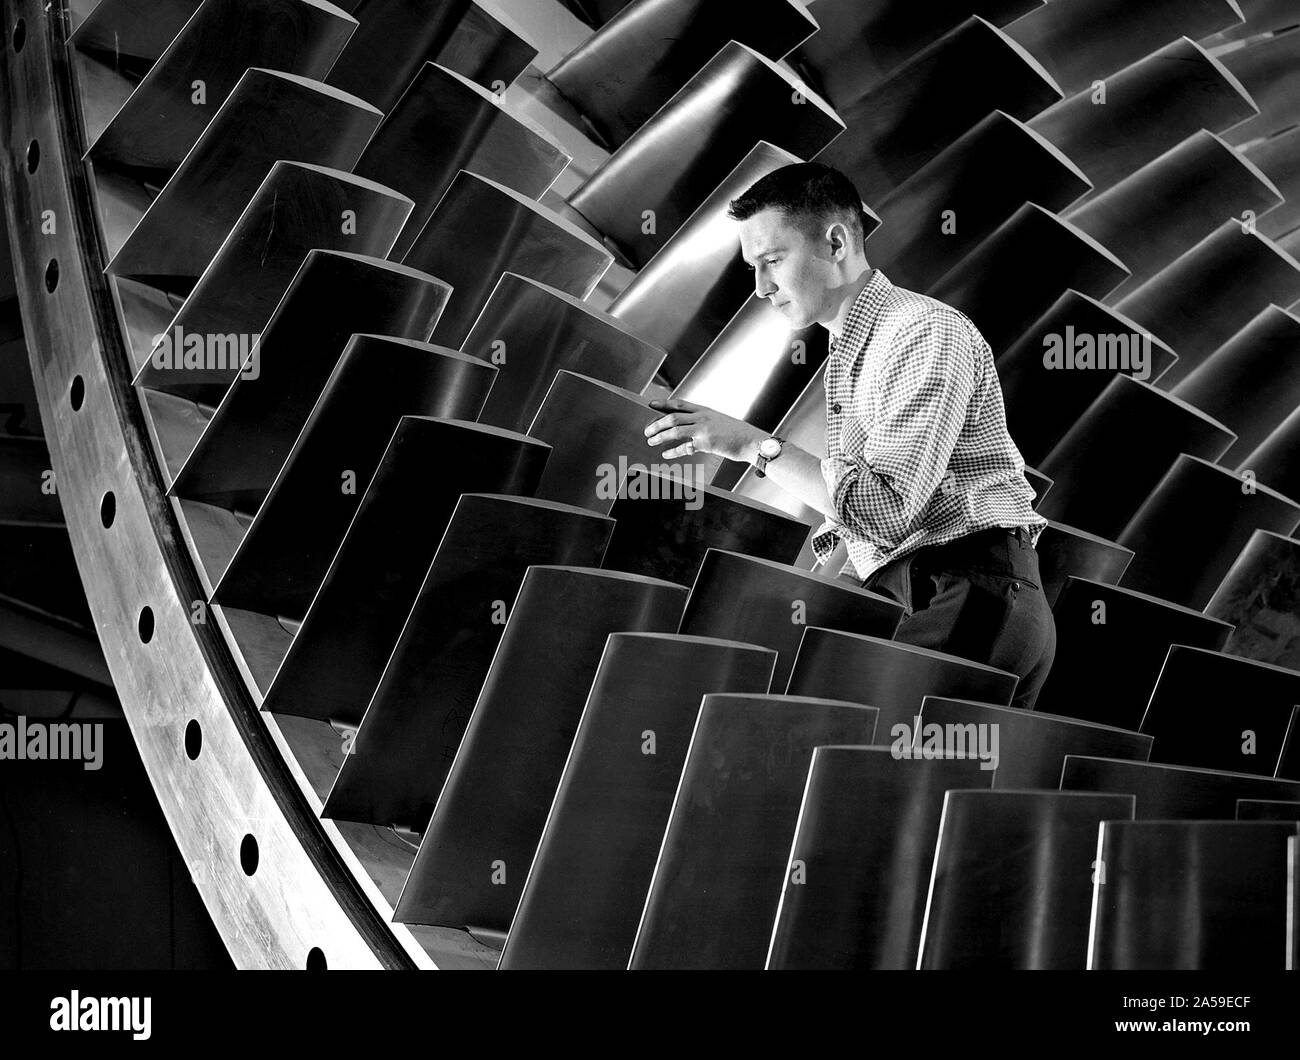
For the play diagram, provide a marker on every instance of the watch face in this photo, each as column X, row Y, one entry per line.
column 770, row 448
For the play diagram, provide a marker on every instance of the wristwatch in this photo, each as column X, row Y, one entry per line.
column 768, row 450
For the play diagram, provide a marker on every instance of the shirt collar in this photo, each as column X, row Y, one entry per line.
column 861, row 320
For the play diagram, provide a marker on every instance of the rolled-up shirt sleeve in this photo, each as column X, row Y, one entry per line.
column 891, row 465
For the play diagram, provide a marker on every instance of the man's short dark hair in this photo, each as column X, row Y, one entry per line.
column 811, row 194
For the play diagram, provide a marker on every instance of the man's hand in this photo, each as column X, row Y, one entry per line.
column 691, row 429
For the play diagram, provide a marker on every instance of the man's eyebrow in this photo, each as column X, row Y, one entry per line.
column 760, row 254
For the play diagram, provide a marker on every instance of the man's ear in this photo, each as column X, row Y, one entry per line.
column 837, row 238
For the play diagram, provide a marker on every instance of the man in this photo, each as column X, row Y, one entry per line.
column 920, row 478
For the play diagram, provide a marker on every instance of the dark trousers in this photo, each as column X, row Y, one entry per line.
column 979, row 597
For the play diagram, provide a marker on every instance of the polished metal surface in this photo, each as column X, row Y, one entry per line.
column 804, row 420
column 596, row 857
column 327, row 468
column 444, row 123
column 666, row 524
column 1192, row 725
column 914, row 250
column 332, row 297
column 1261, row 16
column 901, row 122
column 1267, row 810
column 894, row 677
column 1269, row 69
column 1252, row 382
column 859, row 867
column 597, row 436
column 1131, row 632
column 1017, row 274
column 1173, row 202
column 697, row 281
column 113, row 46
column 167, row 112
column 671, row 163
column 761, row 370
column 1012, row 881
column 1064, row 552
column 1173, row 793
column 1031, row 745
column 260, row 777
column 414, row 722
column 859, row 43
column 738, row 597
column 1274, row 461
column 501, row 782
column 595, row 13
column 1211, row 292
column 1260, row 596
column 139, row 30
column 481, row 229
column 1131, row 427
column 755, row 370
column 1278, row 158
column 1206, row 896
column 1082, row 41
column 397, row 37
column 268, row 117
column 338, row 655
column 297, row 209
column 1063, row 361
column 1293, row 903
column 1181, row 555
column 634, row 64
column 1150, row 106
column 732, row 819
column 531, row 332
column 239, row 789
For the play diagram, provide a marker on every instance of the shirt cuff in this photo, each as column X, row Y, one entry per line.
column 824, row 540
column 838, row 474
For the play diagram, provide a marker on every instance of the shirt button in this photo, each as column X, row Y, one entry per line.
column 836, row 407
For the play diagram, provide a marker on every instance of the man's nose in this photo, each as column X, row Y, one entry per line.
column 763, row 287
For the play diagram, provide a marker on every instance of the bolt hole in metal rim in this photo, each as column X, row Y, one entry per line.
column 108, row 509
column 248, row 855
column 193, row 739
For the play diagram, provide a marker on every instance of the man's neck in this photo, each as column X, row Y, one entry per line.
column 849, row 295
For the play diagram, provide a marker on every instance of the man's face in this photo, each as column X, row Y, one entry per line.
column 793, row 270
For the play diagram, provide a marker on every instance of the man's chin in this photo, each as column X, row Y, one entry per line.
column 793, row 316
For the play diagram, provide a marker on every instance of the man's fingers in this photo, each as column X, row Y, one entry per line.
column 673, row 405
column 680, row 433
column 665, row 423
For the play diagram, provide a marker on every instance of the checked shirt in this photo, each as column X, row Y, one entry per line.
column 916, row 435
